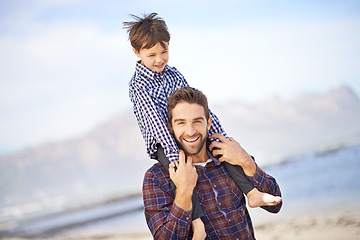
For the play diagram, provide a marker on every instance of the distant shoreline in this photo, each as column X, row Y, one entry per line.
column 16, row 228
column 327, row 150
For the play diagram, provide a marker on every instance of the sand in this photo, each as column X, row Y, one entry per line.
column 334, row 226
column 327, row 227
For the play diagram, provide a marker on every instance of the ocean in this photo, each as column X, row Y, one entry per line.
column 326, row 181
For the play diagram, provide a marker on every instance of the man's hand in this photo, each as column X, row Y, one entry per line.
column 231, row 152
column 184, row 178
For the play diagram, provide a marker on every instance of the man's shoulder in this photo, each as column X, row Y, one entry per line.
column 157, row 175
column 156, row 171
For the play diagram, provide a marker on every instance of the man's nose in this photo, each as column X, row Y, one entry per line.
column 190, row 130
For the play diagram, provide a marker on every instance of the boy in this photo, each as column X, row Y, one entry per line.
column 149, row 88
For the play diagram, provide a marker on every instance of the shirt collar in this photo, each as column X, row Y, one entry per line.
column 214, row 159
column 211, row 159
column 147, row 72
column 203, row 164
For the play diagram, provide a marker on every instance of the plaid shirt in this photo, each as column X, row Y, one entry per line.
column 148, row 91
column 223, row 203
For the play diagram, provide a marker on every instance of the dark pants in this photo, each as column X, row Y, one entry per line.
column 236, row 172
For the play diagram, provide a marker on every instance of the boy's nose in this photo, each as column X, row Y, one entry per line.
column 158, row 60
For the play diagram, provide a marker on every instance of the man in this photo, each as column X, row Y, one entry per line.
column 168, row 214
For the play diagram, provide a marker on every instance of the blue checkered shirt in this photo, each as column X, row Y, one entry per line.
column 148, row 91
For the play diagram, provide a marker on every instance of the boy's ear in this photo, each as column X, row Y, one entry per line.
column 136, row 52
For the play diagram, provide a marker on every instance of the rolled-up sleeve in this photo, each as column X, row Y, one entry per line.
column 266, row 183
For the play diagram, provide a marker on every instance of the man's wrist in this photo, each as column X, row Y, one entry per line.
column 183, row 198
column 249, row 167
column 186, row 191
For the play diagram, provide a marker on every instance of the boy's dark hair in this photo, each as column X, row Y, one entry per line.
column 189, row 95
column 147, row 31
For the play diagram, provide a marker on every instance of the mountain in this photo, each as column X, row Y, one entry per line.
column 110, row 160
column 277, row 129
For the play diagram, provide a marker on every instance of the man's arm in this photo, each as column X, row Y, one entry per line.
column 231, row 152
column 170, row 218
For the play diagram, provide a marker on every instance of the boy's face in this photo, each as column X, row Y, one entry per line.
column 154, row 58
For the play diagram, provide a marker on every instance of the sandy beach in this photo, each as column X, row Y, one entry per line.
column 327, row 227
column 335, row 226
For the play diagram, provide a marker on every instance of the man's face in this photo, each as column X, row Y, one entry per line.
column 190, row 127
column 154, row 58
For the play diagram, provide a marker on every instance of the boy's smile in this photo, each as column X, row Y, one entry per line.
column 154, row 58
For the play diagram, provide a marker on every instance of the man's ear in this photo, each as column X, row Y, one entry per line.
column 209, row 122
column 170, row 128
column 136, row 52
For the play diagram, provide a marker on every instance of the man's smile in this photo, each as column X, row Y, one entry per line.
column 191, row 140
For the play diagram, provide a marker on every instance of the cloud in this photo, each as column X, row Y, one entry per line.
column 62, row 78
column 254, row 60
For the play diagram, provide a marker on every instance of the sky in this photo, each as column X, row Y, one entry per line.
column 65, row 65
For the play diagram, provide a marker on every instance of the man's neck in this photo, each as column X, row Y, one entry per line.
column 201, row 157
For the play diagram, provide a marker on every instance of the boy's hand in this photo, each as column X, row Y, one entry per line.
column 231, row 152
column 184, row 178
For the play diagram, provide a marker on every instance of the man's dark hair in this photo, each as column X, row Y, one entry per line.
column 147, row 31
column 189, row 95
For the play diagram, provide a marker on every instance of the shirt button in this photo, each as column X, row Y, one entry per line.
column 229, row 219
column 219, row 204
column 214, row 185
column 187, row 218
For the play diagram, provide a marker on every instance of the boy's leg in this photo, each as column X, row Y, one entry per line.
column 255, row 197
column 237, row 173
column 197, row 210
